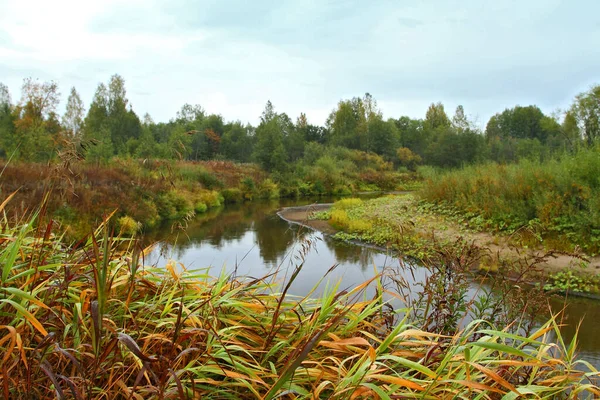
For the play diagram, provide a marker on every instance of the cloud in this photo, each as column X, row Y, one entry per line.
column 305, row 55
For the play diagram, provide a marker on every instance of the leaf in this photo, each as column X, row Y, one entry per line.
column 28, row 316
column 133, row 347
column 394, row 380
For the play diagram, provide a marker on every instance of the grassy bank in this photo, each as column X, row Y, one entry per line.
column 557, row 200
column 147, row 193
column 92, row 322
column 420, row 229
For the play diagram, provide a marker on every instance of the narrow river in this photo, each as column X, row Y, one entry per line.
column 252, row 240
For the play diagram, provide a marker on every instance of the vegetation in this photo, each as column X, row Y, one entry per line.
column 395, row 222
column 31, row 130
column 558, row 200
column 569, row 281
column 92, row 322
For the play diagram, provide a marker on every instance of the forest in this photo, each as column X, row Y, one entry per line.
column 32, row 130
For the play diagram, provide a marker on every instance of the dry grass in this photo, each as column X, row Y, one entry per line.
column 91, row 322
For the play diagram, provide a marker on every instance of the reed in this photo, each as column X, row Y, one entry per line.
column 90, row 322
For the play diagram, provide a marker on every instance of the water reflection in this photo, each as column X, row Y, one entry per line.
column 252, row 240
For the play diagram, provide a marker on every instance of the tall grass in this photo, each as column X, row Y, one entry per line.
column 90, row 322
column 559, row 198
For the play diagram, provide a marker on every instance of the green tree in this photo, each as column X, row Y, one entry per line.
column 36, row 124
column 270, row 150
column 236, row 143
column 460, row 123
column 348, row 125
column 8, row 143
column 96, row 131
column 436, row 117
column 123, row 123
column 570, row 129
column 517, row 122
column 586, row 111
column 72, row 120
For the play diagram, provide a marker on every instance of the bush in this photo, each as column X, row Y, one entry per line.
column 342, row 191
column 172, row 205
column 233, row 195
column 128, row 225
column 196, row 173
column 559, row 196
column 345, row 204
column 339, row 219
column 268, row 190
column 211, row 198
column 248, row 188
column 200, row 207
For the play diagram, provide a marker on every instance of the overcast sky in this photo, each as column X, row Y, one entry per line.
column 233, row 56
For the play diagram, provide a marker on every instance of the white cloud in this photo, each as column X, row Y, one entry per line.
column 306, row 56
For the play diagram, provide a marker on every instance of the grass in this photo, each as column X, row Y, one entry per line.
column 557, row 199
column 92, row 322
column 152, row 192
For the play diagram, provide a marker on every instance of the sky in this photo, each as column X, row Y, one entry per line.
column 306, row 55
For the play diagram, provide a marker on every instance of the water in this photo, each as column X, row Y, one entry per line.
column 251, row 240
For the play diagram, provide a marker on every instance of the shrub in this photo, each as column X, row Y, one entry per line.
column 248, row 188
column 210, row 198
column 339, row 219
column 128, row 225
column 200, row 207
column 172, row 205
column 233, row 195
column 268, row 190
column 359, row 226
column 342, row 190
column 345, row 204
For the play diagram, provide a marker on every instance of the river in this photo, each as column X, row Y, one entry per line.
column 252, row 240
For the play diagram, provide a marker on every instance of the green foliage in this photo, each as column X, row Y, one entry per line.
column 569, row 281
column 344, row 204
column 211, row 198
column 128, row 225
column 172, row 205
column 585, row 112
column 559, row 195
column 268, row 190
column 232, row 195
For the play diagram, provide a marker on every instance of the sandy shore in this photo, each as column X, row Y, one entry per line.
column 498, row 245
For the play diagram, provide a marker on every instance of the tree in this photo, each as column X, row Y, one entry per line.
column 384, row 136
column 570, row 128
column 4, row 95
column 460, row 122
column 8, row 143
column 518, row 122
column 407, row 158
column 96, row 132
column 123, row 123
column 36, row 124
column 586, row 111
column 349, row 123
column 436, row 117
column 72, row 120
column 236, row 143
column 269, row 150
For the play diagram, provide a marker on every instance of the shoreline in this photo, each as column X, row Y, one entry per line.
column 299, row 215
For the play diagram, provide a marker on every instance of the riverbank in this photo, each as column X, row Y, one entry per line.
column 115, row 328
column 148, row 193
column 403, row 224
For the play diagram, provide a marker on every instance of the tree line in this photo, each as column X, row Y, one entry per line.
column 32, row 130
